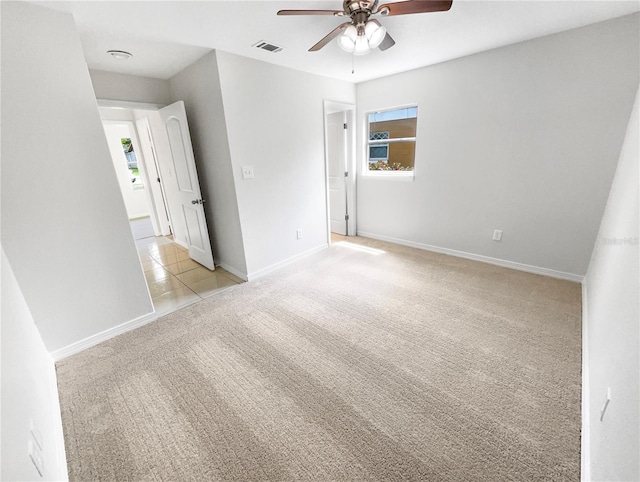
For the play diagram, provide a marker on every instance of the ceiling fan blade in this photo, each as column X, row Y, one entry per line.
column 335, row 13
column 387, row 43
column 414, row 6
column 329, row 37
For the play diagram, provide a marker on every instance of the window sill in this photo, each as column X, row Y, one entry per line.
column 389, row 176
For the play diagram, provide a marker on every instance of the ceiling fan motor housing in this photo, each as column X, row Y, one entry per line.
column 353, row 7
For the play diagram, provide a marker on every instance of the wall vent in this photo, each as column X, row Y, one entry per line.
column 267, row 46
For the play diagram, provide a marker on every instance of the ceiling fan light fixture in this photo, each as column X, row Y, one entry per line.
column 362, row 40
column 361, row 46
column 347, row 41
column 375, row 34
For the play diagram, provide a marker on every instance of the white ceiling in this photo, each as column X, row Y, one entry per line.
column 166, row 36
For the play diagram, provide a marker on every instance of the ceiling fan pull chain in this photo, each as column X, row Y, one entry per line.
column 353, row 64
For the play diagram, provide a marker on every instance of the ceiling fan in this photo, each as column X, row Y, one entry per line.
column 361, row 34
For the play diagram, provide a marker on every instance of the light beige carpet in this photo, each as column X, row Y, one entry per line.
column 349, row 365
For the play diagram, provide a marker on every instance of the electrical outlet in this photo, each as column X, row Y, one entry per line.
column 247, row 172
column 299, row 233
column 497, row 235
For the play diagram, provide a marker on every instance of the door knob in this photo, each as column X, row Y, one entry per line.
column 198, row 201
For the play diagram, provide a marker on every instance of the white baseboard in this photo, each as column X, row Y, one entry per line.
column 105, row 335
column 585, row 440
column 233, row 271
column 478, row 257
column 273, row 267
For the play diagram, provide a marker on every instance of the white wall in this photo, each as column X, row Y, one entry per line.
column 612, row 324
column 112, row 86
column 523, row 138
column 275, row 123
column 29, row 391
column 199, row 87
column 135, row 201
column 64, row 224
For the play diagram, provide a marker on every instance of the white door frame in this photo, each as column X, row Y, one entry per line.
column 331, row 107
column 336, row 155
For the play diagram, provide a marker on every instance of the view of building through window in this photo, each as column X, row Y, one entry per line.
column 132, row 164
column 392, row 139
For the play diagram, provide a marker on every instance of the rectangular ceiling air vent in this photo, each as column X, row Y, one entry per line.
column 267, row 46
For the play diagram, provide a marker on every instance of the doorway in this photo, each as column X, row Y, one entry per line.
column 340, row 169
column 132, row 175
column 144, row 145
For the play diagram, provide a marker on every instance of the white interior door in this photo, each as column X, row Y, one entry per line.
column 337, row 167
column 188, row 205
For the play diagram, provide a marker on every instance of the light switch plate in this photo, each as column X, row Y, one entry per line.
column 247, row 172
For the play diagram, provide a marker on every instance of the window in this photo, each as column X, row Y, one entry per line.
column 392, row 139
column 378, row 152
column 132, row 164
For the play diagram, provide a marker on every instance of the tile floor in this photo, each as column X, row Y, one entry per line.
column 174, row 279
column 336, row 238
